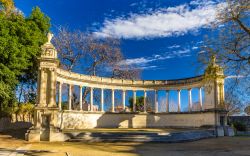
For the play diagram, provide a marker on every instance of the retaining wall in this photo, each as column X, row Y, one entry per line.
column 87, row 120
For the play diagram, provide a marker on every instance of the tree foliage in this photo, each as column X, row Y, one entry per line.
column 139, row 105
column 7, row 5
column 20, row 41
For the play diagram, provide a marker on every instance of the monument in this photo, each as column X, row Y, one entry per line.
column 50, row 119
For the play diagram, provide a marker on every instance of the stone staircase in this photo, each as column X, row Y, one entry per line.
column 172, row 137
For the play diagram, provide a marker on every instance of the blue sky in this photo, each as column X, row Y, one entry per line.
column 161, row 37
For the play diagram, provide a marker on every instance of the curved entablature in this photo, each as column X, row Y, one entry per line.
column 123, row 84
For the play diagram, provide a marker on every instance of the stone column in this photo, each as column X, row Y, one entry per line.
column 52, row 87
column 80, row 97
column 60, row 96
column 134, row 101
column 145, row 101
column 179, row 100
column 102, row 100
column 42, row 88
column 70, row 97
column 113, row 101
column 123, row 99
column 167, row 101
column 190, row 103
column 200, row 97
column 156, row 101
column 91, row 99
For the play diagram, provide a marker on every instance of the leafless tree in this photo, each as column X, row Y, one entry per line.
column 232, row 46
column 84, row 53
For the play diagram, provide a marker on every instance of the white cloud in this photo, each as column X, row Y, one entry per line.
column 194, row 48
column 146, row 62
column 182, row 51
column 235, row 76
column 172, row 21
column 137, row 61
column 202, row 2
column 174, row 46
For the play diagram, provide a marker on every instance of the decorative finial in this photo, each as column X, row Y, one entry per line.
column 49, row 36
column 213, row 59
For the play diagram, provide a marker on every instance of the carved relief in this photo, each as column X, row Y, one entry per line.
column 48, row 52
column 208, row 87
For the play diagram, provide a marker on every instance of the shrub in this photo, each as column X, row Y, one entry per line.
column 239, row 126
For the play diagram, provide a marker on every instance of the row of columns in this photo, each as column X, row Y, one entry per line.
column 190, row 104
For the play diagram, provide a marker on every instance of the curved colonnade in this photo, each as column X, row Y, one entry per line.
column 102, row 83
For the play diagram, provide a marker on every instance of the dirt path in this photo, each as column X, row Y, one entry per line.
column 224, row 146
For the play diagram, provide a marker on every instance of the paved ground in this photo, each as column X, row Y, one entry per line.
column 134, row 130
column 225, row 146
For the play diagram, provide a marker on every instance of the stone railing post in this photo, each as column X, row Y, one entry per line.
column 60, row 96
column 123, row 99
column 179, row 100
column 91, row 99
column 156, row 101
column 80, row 98
column 113, row 101
column 145, row 101
column 102, row 100
column 200, row 98
column 134, row 101
column 70, row 97
column 190, row 103
column 167, row 101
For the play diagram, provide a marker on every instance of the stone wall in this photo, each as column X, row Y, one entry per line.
column 7, row 123
column 243, row 119
column 87, row 120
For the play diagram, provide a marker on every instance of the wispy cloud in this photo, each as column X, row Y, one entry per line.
column 152, row 61
column 235, row 76
column 174, row 46
column 171, row 21
column 194, row 47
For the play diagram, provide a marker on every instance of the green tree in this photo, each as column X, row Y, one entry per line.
column 7, row 5
column 139, row 103
column 20, row 41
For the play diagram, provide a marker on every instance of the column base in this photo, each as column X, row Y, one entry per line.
column 40, row 134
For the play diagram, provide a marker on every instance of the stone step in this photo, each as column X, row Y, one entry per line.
column 141, row 137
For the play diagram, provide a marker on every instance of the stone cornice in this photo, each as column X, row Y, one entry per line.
column 120, row 84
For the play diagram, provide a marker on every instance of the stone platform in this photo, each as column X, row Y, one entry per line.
column 139, row 135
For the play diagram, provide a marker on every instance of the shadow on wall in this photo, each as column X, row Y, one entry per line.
column 14, row 129
column 131, row 120
column 108, row 120
column 128, row 120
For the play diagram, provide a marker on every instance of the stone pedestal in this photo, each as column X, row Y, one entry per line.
column 229, row 131
column 45, row 127
column 38, row 134
column 220, row 131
